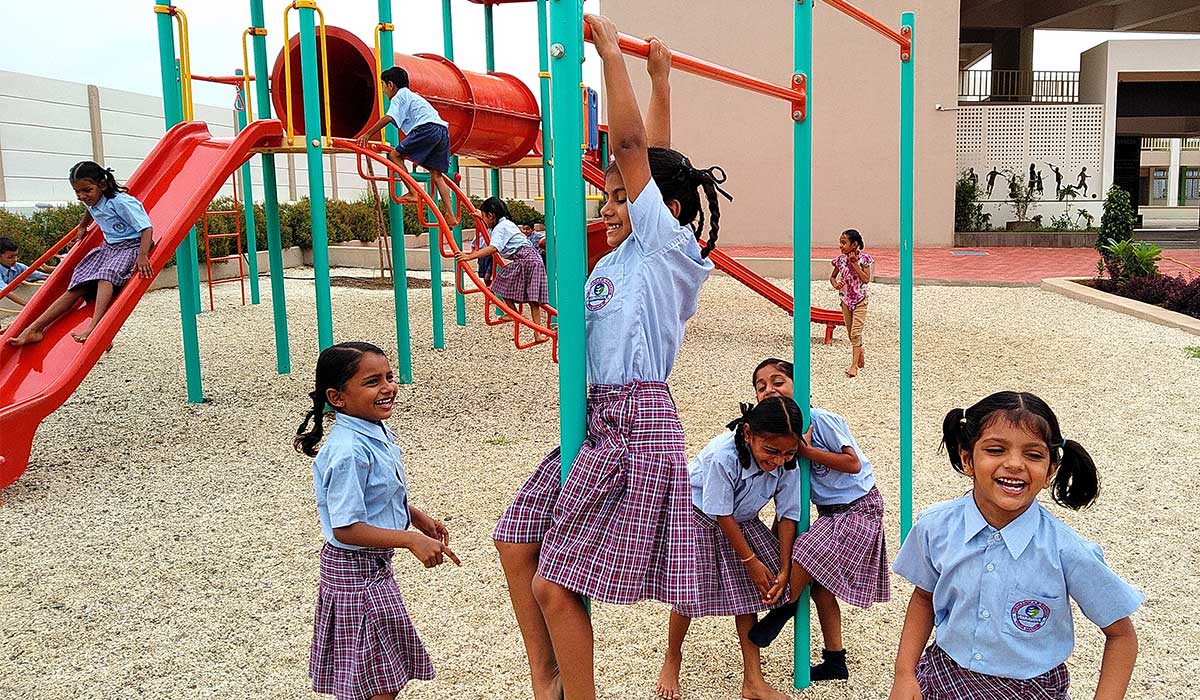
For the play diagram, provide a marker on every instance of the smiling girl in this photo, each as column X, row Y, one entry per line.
column 105, row 269
column 993, row 570
column 364, row 645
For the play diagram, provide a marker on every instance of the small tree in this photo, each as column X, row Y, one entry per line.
column 968, row 212
column 1019, row 197
column 1117, row 222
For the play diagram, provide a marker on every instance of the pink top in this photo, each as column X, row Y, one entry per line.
column 853, row 290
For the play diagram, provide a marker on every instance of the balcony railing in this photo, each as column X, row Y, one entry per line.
column 1018, row 86
column 1158, row 144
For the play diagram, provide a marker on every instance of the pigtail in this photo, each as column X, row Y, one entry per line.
column 335, row 366
column 955, row 436
column 710, row 182
column 678, row 181
column 307, row 438
column 737, row 425
column 1077, row 481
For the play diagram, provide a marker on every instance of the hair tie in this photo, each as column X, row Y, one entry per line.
column 1060, row 444
column 747, row 409
column 963, row 420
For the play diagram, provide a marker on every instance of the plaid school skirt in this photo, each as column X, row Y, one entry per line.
column 364, row 643
column 724, row 586
column 941, row 678
column 621, row 528
column 844, row 551
column 110, row 262
column 523, row 279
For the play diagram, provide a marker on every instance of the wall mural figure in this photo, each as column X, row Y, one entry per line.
column 1083, row 178
column 1058, row 178
column 973, row 177
column 991, row 180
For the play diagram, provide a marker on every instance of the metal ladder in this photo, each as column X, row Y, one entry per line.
column 236, row 235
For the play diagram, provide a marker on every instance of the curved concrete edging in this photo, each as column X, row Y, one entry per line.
column 1071, row 287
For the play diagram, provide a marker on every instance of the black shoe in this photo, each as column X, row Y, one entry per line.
column 767, row 629
column 833, row 668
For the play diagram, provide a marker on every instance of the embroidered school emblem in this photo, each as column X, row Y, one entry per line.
column 818, row 469
column 1030, row 615
column 119, row 226
column 599, row 293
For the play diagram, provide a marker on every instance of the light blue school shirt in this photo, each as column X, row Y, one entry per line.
column 358, row 476
column 720, row 486
column 409, row 110
column 508, row 239
column 641, row 294
column 121, row 217
column 1000, row 596
column 8, row 274
column 536, row 237
column 829, row 486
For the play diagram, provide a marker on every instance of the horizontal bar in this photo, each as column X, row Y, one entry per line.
column 698, row 66
column 234, row 80
column 871, row 22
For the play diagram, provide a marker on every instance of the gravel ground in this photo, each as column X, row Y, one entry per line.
column 155, row 547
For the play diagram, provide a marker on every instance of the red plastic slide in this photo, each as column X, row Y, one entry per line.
column 175, row 182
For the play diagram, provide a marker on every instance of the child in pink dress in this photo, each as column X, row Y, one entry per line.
column 851, row 273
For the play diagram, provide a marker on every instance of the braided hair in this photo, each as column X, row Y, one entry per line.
column 336, row 366
column 1076, row 482
column 771, row 417
column 677, row 180
column 102, row 176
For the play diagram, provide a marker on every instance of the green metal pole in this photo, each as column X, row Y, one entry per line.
column 283, row 353
column 173, row 113
column 460, row 302
column 396, row 222
column 248, row 202
column 566, row 122
column 907, row 202
column 435, row 269
column 489, row 47
column 801, row 293
column 316, row 175
column 547, row 152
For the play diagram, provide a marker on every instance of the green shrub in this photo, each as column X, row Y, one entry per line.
column 968, row 212
column 1129, row 259
column 1117, row 222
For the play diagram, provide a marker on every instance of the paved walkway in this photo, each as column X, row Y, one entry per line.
column 988, row 264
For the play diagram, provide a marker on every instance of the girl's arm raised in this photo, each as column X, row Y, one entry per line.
column 918, row 625
column 627, row 134
column 1120, row 652
column 658, row 113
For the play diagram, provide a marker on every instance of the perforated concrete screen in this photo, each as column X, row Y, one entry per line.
column 1003, row 141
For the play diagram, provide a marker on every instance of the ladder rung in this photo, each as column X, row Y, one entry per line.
column 228, row 280
column 222, row 211
column 222, row 235
column 224, row 257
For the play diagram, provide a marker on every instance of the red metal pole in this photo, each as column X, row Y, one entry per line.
column 234, row 80
column 690, row 64
column 855, row 13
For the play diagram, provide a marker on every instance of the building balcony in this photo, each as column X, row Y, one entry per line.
column 1017, row 87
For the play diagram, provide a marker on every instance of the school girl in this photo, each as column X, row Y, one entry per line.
column 523, row 279
column 994, row 572
column 621, row 529
column 364, row 645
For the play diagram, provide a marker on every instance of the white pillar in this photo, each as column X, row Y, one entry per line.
column 1173, row 173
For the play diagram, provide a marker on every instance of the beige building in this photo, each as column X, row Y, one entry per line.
column 855, row 102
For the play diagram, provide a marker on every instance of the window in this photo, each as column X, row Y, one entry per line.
column 1191, row 186
column 1158, row 186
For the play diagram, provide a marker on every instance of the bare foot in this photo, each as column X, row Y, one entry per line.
column 451, row 219
column 27, row 337
column 852, row 372
column 551, row 691
column 862, row 362
column 82, row 337
column 668, row 678
column 408, row 199
column 761, row 691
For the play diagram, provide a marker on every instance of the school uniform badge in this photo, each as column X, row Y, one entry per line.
column 1030, row 615
column 599, row 293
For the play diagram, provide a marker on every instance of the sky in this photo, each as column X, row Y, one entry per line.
column 116, row 47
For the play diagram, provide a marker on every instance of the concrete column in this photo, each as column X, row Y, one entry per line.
column 1012, row 50
column 291, row 170
column 3, row 195
column 333, row 174
column 97, row 130
column 1173, row 173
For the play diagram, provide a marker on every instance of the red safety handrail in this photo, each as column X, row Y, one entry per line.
column 234, row 80
column 690, row 64
column 446, row 238
column 50, row 253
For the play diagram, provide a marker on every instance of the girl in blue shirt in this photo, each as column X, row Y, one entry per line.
column 105, row 269
column 994, row 571
column 523, row 279
column 742, row 566
column 364, row 644
column 621, row 530
column 843, row 554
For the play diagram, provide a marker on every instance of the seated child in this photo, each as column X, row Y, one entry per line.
column 10, row 268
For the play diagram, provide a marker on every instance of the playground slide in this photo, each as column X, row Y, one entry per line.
column 175, row 182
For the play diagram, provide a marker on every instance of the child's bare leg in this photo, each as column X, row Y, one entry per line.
column 447, row 204
column 535, row 314
column 520, row 563
column 104, row 297
column 571, row 634
column 36, row 330
column 668, row 677
column 754, row 686
column 384, row 696
column 409, row 197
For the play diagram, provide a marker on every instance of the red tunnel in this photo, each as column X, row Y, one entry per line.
column 493, row 117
